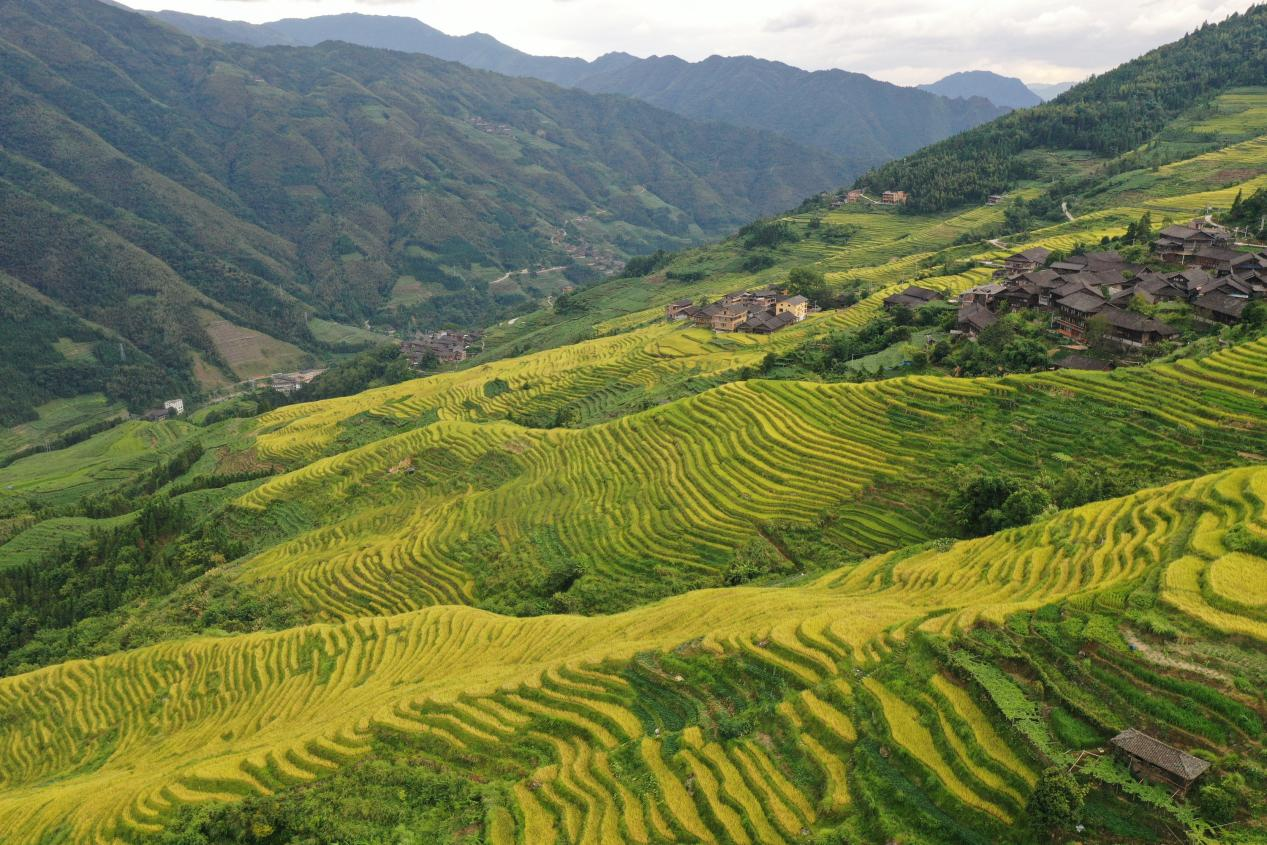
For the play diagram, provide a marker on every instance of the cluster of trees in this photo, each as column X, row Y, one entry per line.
column 164, row 546
column 1108, row 114
column 645, row 265
column 1249, row 214
column 768, row 234
column 1011, row 345
column 984, row 502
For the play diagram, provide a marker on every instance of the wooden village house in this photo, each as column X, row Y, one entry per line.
column 913, row 297
column 1153, row 760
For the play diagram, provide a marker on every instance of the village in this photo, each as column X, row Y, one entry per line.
column 1098, row 293
column 752, row 312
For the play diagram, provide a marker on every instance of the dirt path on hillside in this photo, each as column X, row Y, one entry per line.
column 1064, row 206
column 1152, row 655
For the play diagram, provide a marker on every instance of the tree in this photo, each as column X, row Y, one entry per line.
column 809, row 283
column 1056, row 804
column 1016, row 217
column 1098, row 332
column 1255, row 314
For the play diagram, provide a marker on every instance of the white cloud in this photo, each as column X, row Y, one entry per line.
column 903, row 41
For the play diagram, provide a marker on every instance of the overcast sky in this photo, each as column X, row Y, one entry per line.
column 903, row 41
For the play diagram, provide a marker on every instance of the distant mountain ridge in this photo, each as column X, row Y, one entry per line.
column 1006, row 91
column 1050, row 90
column 848, row 114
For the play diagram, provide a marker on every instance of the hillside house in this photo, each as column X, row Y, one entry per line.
column 176, row 406
column 995, row 199
column 1101, row 261
column 728, row 318
column 797, row 306
column 156, row 414
column 767, row 322
column 973, row 319
column 1027, row 261
column 1073, row 312
column 1154, row 288
column 1024, row 294
column 1045, row 281
column 677, row 310
column 987, row 295
column 1135, row 330
column 289, row 383
column 913, row 297
column 1178, row 243
column 893, row 198
column 1153, row 760
column 1219, row 307
column 855, row 195
column 1218, row 258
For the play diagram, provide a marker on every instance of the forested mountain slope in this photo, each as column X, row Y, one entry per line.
column 184, row 196
column 863, row 120
column 1108, row 115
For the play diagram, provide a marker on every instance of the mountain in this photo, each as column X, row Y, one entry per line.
column 197, row 202
column 1004, row 91
column 388, row 32
column 1051, row 90
column 850, row 115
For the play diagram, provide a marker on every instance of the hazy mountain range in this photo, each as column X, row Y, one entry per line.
column 863, row 120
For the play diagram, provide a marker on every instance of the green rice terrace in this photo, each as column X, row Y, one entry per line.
column 618, row 579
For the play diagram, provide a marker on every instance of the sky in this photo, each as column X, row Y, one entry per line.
column 903, row 41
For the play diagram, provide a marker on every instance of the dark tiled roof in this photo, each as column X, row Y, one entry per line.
column 1131, row 321
column 1037, row 253
column 1067, row 266
column 1084, row 301
column 976, row 315
column 1192, row 277
column 922, row 294
column 1163, row 756
column 768, row 320
column 1045, row 278
column 1217, row 253
column 1221, row 303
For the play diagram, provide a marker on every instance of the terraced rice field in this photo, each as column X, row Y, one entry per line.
column 678, row 488
column 105, row 460
column 109, row 747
